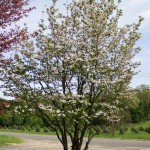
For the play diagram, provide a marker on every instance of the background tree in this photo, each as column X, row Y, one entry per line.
column 14, row 114
column 79, row 70
column 132, row 111
column 3, row 105
column 12, row 11
column 136, row 113
column 143, row 93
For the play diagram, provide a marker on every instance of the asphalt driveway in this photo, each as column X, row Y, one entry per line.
column 48, row 142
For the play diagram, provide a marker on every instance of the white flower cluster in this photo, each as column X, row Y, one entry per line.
column 78, row 68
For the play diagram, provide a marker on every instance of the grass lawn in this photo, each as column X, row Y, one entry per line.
column 129, row 134
column 6, row 140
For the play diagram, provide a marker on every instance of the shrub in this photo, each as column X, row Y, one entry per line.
column 32, row 128
column 15, row 127
column 121, row 131
column 29, row 129
column 140, row 128
column 106, row 130
column 21, row 128
column 97, row 129
column 147, row 129
column 37, row 129
column 45, row 130
column 135, row 130
column 125, row 129
column 5, row 127
column 10, row 127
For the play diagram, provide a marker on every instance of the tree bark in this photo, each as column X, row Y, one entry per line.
column 113, row 128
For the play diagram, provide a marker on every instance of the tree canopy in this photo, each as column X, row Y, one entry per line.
column 78, row 68
column 11, row 11
column 143, row 93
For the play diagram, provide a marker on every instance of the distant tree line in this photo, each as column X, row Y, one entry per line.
column 14, row 115
column 139, row 108
column 136, row 110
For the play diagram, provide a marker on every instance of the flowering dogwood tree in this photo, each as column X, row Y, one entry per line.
column 10, row 12
column 79, row 69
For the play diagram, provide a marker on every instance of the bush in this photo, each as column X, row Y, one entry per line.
column 15, row 127
column 140, row 128
column 18, row 120
column 10, row 127
column 45, row 130
column 106, row 130
column 29, row 129
column 135, row 130
column 21, row 128
column 5, row 127
column 5, row 120
column 37, row 129
column 147, row 129
column 125, row 129
column 32, row 128
column 121, row 131
column 97, row 129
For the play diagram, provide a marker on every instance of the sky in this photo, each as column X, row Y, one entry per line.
column 131, row 10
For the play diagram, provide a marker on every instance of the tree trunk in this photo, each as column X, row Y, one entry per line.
column 113, row 128
column 64, row 146
column 87, row 144
column 65, row 142
column 76, row 144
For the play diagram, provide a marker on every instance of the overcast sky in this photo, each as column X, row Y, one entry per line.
column 131, row 10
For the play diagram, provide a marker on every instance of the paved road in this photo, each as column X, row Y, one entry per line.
column 101, row 143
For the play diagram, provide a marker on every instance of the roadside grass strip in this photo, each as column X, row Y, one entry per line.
column 129, row 134
column 7, row 140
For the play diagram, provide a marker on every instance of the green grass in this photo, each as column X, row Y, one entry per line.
column 27, row 131
column 6, row 140
column 140, row 136
column 127, row 135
